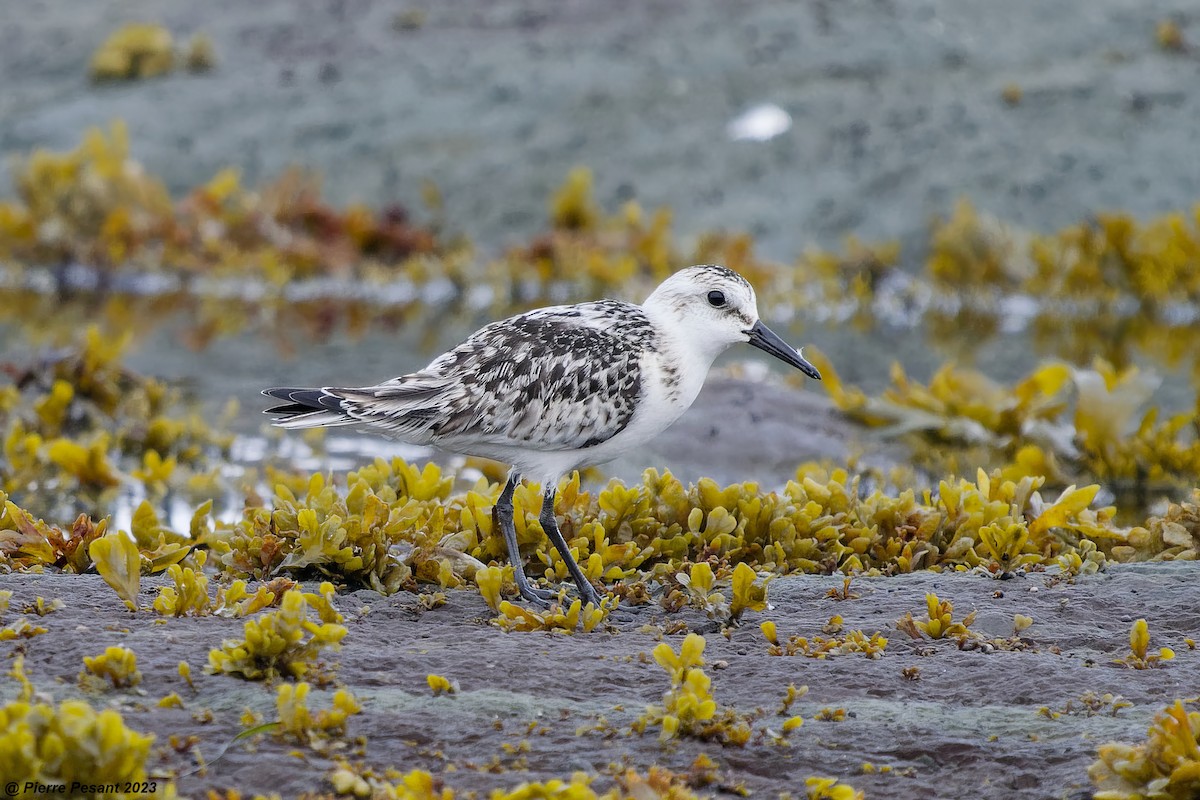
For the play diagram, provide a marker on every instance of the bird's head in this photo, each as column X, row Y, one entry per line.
column 712, row 307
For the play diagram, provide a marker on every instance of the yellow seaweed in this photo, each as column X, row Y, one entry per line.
column 136, row 50
column 117, row 664
column 282, row 643
column 68, row 743
column 1166, row 765
column 120, row 565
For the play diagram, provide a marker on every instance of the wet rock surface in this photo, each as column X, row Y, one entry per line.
column 968, row 725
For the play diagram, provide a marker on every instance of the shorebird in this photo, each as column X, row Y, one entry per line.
column 557, row 389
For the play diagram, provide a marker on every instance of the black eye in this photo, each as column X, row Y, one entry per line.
column 716, row 299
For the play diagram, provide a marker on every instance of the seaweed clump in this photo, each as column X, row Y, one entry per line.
column 116, row 664
column 189, row 596
column 397, row 525
column 71, row 421
column 1175, row 534
column 283, row 643
column 142, row 50
column 1109, row 257
column 1068, row 424
column 513, row 617
column 27, row 544
column 821, row 647
column 133, row 52
column 559, row 618
column 1140, row 656
column 350, row 536
column 297, row 721
column 69, row 742
column 696, row 587
column 21, row 628
column 830, row 789
column 1166, row 765
column 97, row 206
column 688, row 707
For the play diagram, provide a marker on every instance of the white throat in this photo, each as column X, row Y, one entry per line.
column 683, row 360
column 685, row 341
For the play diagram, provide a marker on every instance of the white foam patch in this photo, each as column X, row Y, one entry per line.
column 759, row 124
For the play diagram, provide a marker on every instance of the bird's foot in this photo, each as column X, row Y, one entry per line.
column 588, row 594
column 536, row 596
column 544, row 598
column 616, row 615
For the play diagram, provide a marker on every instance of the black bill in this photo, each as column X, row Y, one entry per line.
column 766, row 340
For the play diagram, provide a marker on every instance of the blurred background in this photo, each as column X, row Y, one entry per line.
column 1000, row 199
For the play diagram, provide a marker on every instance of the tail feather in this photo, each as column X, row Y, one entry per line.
column 310, row 398
column 401, row 408
column 307, row 408
column 290, row 410
column 316, row 419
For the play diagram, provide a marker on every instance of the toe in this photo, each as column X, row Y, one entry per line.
column 538, row 597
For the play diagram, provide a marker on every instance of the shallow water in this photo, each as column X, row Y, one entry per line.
column 916, row 329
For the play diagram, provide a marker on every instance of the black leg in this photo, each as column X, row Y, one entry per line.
column 503, row 514
column 550, row 526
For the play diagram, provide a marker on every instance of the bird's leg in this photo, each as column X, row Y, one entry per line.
column 550, row 526
column 503, row 511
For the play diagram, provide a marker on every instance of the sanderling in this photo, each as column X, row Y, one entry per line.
column 559, row 388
